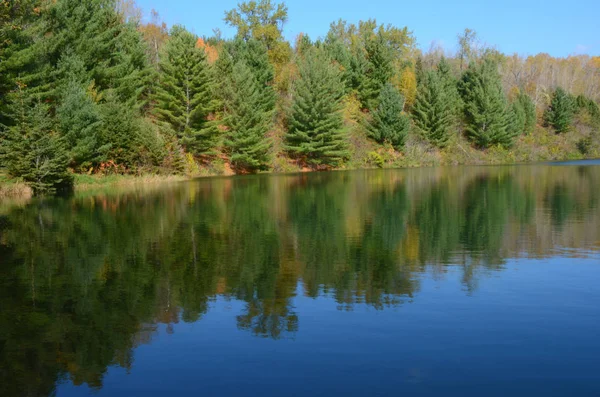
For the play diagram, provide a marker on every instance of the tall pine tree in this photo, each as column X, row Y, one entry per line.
column 559, row 114
column 31, row 149
column 316, row 134
column 247, row 122
column 485, row 106
column 389, row 124
column 433, row 113
column 377, row 71
column 185, row 95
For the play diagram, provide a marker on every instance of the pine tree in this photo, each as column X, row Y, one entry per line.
column 559, row 114
column 254, row 54
column 110, row 51
column 485, row 106
column 315, row 134
column 79, row 122
column 526, row 103
column 521, row 115
column 184, row 97
column 388, row 123
column 247, row 122
column 378, row 71
column 433, row 113
column 450, row 86
column 32, row 150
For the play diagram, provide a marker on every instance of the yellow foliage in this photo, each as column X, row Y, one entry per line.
column 408, row 86
column 211, row 52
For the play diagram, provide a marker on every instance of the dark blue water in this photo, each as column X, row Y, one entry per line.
column 459, row 281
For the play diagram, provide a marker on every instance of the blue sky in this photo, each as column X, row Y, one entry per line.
column 559, row 28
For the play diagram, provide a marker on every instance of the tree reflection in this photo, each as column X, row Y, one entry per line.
column 86, row 280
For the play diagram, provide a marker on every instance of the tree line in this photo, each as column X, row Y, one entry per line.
column 88, row 87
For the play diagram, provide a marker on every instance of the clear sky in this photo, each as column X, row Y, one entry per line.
column 557, row 27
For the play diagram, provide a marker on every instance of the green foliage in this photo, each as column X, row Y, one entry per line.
column 79, row 122
column 378, row 71
column 521, row 116
column 316, row 134
column 260, row 20
column 485, row 106
column 253, row 53
column 376, row 159
column 184, row 97
column 559, row 114
column 389, row 124
column 528, row 107
column 450, row 84
column 33, row 151
column 590, row 106
column 433, row 113
column 247, row 122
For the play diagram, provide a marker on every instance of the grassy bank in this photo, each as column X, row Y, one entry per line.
column 14, row 188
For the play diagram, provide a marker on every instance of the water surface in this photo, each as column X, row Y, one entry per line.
column 455, row 281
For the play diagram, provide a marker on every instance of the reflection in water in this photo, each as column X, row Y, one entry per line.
column 84, row 281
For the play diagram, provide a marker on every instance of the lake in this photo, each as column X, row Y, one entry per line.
column 471, row 281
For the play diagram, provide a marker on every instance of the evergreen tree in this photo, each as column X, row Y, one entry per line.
column 559, row 114
column 316, row 133
column 247, row 122
column 450, row 86
column 433, row 113
column 378, row 71
column 526, row 103
column 79, row 122
column 485, row 106
column 388, row 123
column 32, row 150
column 110, row 51
column 184, row 97
column 521, row 115
column 16, row 17
column 255, row 55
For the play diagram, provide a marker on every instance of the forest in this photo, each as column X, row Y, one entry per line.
column 93, row 88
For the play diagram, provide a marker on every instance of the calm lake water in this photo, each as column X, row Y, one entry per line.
column 471, row 281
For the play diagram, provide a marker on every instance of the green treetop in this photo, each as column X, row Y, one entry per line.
column 389, row 124
column 247, row 122
column 433, row 113
column 184, row 96
column 485, row 106
column 32, row 150
column 316, row 134
column 559, row 114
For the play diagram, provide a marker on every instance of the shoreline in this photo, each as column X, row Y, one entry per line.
column 11, row 190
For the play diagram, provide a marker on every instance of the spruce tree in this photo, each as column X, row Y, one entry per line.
column 316, row 134
column 485, row 106
column 388, row 123
column 433, row 113
column 32, row 150
column 247, row 122
column 559, row 114
column 184, row 97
